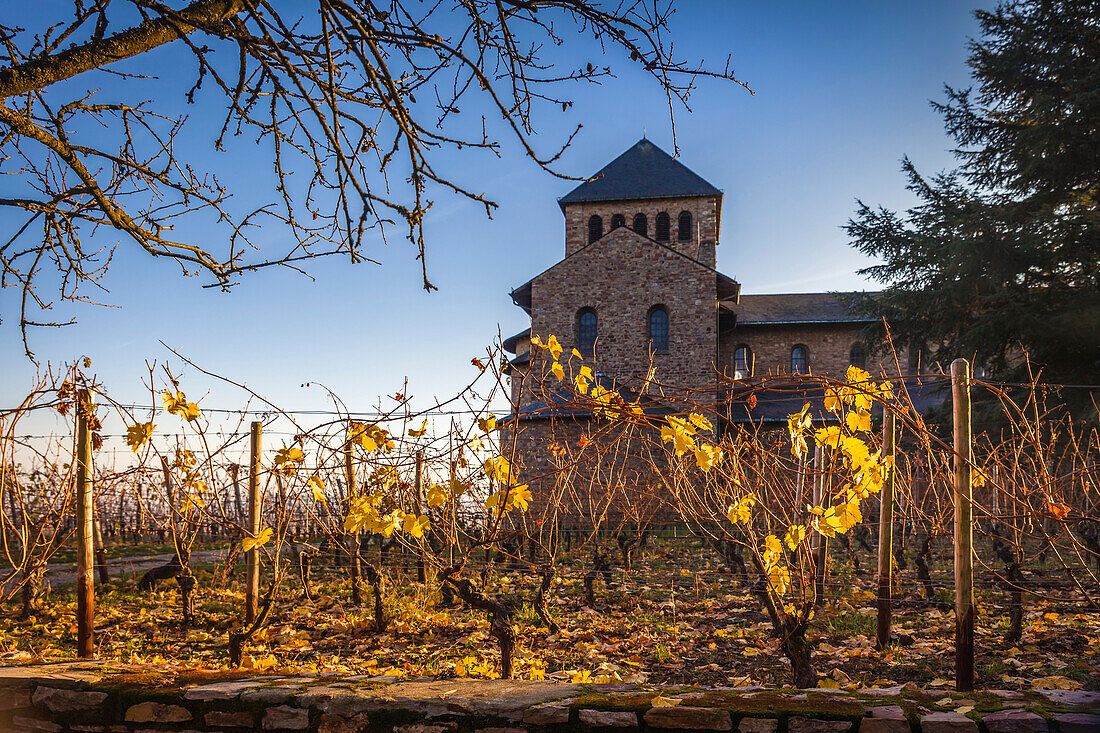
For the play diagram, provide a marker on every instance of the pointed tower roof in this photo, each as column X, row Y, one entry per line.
column 642, row 172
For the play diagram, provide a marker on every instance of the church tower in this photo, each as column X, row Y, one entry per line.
column 637, row 283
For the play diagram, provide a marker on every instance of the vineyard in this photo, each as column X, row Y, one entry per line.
column 653, row 541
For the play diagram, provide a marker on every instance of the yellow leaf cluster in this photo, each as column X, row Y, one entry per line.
column 249, row 543
column 139, row 434
column 370, row 437
column 740, row 512
column 316, row 487
column 288, row 459
column 515, row 497
column 418, row 432
column 498, row 469
column 797, row 425
column 177, row 404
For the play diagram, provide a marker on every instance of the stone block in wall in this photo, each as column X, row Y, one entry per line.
column 947, row 723
column 689, row 718
column 1014, row 721
column 58, row 700
column 797, row 724
column 228, row 719
column 284, row 717
column 155, row 712
column 609, row 718
column 548, row 713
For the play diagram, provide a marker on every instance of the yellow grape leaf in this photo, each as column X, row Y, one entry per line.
column 416, row 526
column 707, row 457
column 437, row 496
column 498, row 469
column 420, row 430
column 583, row 379
column 487, row 424
column 317, row 487
column 139, row 434
column 177, row 404
column 558, row 370
column 248, row 543
column 520, row 496
column 858, row 376
column 553, row 347
column 581, row 676
column 700, row 421
column 796, row 533
column 741, row 511
column 286, row 456
column 858, row 421
column 577, row 354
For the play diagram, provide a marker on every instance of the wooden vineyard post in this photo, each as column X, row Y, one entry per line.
column 252, row 589
column 886, row 534
column 100, row 551
column 85, row 583
column 817, row 541
column 352, row 537
column 418, row 483
column 964, row 540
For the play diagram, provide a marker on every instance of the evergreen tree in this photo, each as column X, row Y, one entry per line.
column 1001, row 257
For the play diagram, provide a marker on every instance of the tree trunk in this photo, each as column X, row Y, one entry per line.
column 546, row 573
column 800, row 656
column 374, row 577
column 923, row 556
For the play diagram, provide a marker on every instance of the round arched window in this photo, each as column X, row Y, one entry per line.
column 617, row 220
column 586, row 331
column 595, row 228
column 858, row 355
column 664, row 226
column 683, row 230
column 742, row 362
column 800, row 360
column 658, row 329
column 641, row 225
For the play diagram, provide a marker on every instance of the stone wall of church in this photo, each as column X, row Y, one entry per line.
column 704, row 217
column 622, row 278
column 829, row 348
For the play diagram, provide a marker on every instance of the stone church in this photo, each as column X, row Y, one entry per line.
column 639, row 284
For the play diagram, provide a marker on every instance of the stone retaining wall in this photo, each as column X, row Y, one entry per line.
column 93, row 697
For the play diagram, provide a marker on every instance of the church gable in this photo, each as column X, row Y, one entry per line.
column 622, row 279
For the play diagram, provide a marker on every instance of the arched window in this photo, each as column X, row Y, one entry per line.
column 617, row 220
column 800, row 360
column 664, row 226
column 641, row 225
column 595, row 228
column 858, row 355
column 742, row 362
column 683, row 232
column 658, row 329
column 586, row 331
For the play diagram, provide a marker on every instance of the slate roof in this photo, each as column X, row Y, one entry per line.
column 771, row 400
column 642, row 172
column 512, row 342
column 791, row 308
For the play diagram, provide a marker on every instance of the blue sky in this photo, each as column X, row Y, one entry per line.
column 842, row 93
